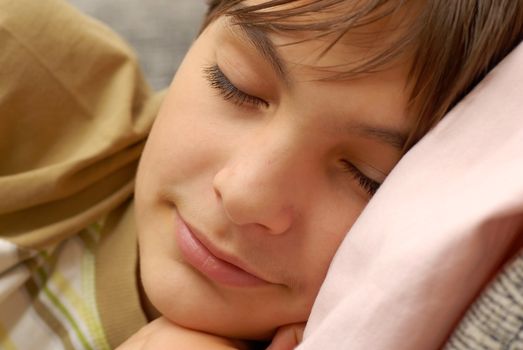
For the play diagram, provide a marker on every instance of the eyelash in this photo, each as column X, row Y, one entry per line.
column 229, row 91
column 369, row 185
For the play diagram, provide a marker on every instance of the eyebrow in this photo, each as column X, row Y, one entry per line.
column 392, row 137
column 264, row 45
column 259, row 39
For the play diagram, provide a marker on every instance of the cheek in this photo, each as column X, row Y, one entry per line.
column 176, row 150
column 327, row 229
column 183, row 142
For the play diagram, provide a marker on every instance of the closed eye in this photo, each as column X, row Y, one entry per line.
column 229, row 91
column 369, row 185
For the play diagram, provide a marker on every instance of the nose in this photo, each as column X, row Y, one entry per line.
column 260, row 184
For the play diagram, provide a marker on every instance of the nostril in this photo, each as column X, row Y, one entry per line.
column 218, row 183
column 263, row 227
column 217, row 193
column 250, row 195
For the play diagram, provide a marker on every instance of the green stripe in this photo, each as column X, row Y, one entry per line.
column 97, row 228
column 88, row 285
column 43, row 275
column 56, row 302
column 45, row 314
column 84, row 305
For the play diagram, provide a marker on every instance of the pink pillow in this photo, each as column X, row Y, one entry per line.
column 436, row 232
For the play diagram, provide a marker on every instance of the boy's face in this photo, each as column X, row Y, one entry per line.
column 252, row 176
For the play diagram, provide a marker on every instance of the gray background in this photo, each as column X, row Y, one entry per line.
column 161, row 31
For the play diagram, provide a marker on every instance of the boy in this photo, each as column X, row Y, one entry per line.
column 280, row 125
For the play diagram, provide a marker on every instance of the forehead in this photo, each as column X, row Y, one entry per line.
column 303, row 74
column 300, row 54
column 340, row 38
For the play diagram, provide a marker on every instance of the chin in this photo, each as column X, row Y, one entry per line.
column 191, row 302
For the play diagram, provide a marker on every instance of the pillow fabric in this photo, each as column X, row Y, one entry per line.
column 445, row 221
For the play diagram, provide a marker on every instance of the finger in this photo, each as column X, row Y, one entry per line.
column 287, row 337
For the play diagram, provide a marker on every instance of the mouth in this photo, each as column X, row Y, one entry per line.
column 212, row 263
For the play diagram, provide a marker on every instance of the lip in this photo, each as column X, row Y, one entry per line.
column 214, row 264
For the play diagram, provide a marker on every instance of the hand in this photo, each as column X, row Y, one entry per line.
column 161, row 334
column 287, row 337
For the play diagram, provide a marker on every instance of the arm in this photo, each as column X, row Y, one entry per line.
column 163, row 334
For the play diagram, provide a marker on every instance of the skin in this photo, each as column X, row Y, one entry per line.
column 163, row 334
column 266, row 184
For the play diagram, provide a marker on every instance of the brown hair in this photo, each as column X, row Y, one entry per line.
column 455, row 42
